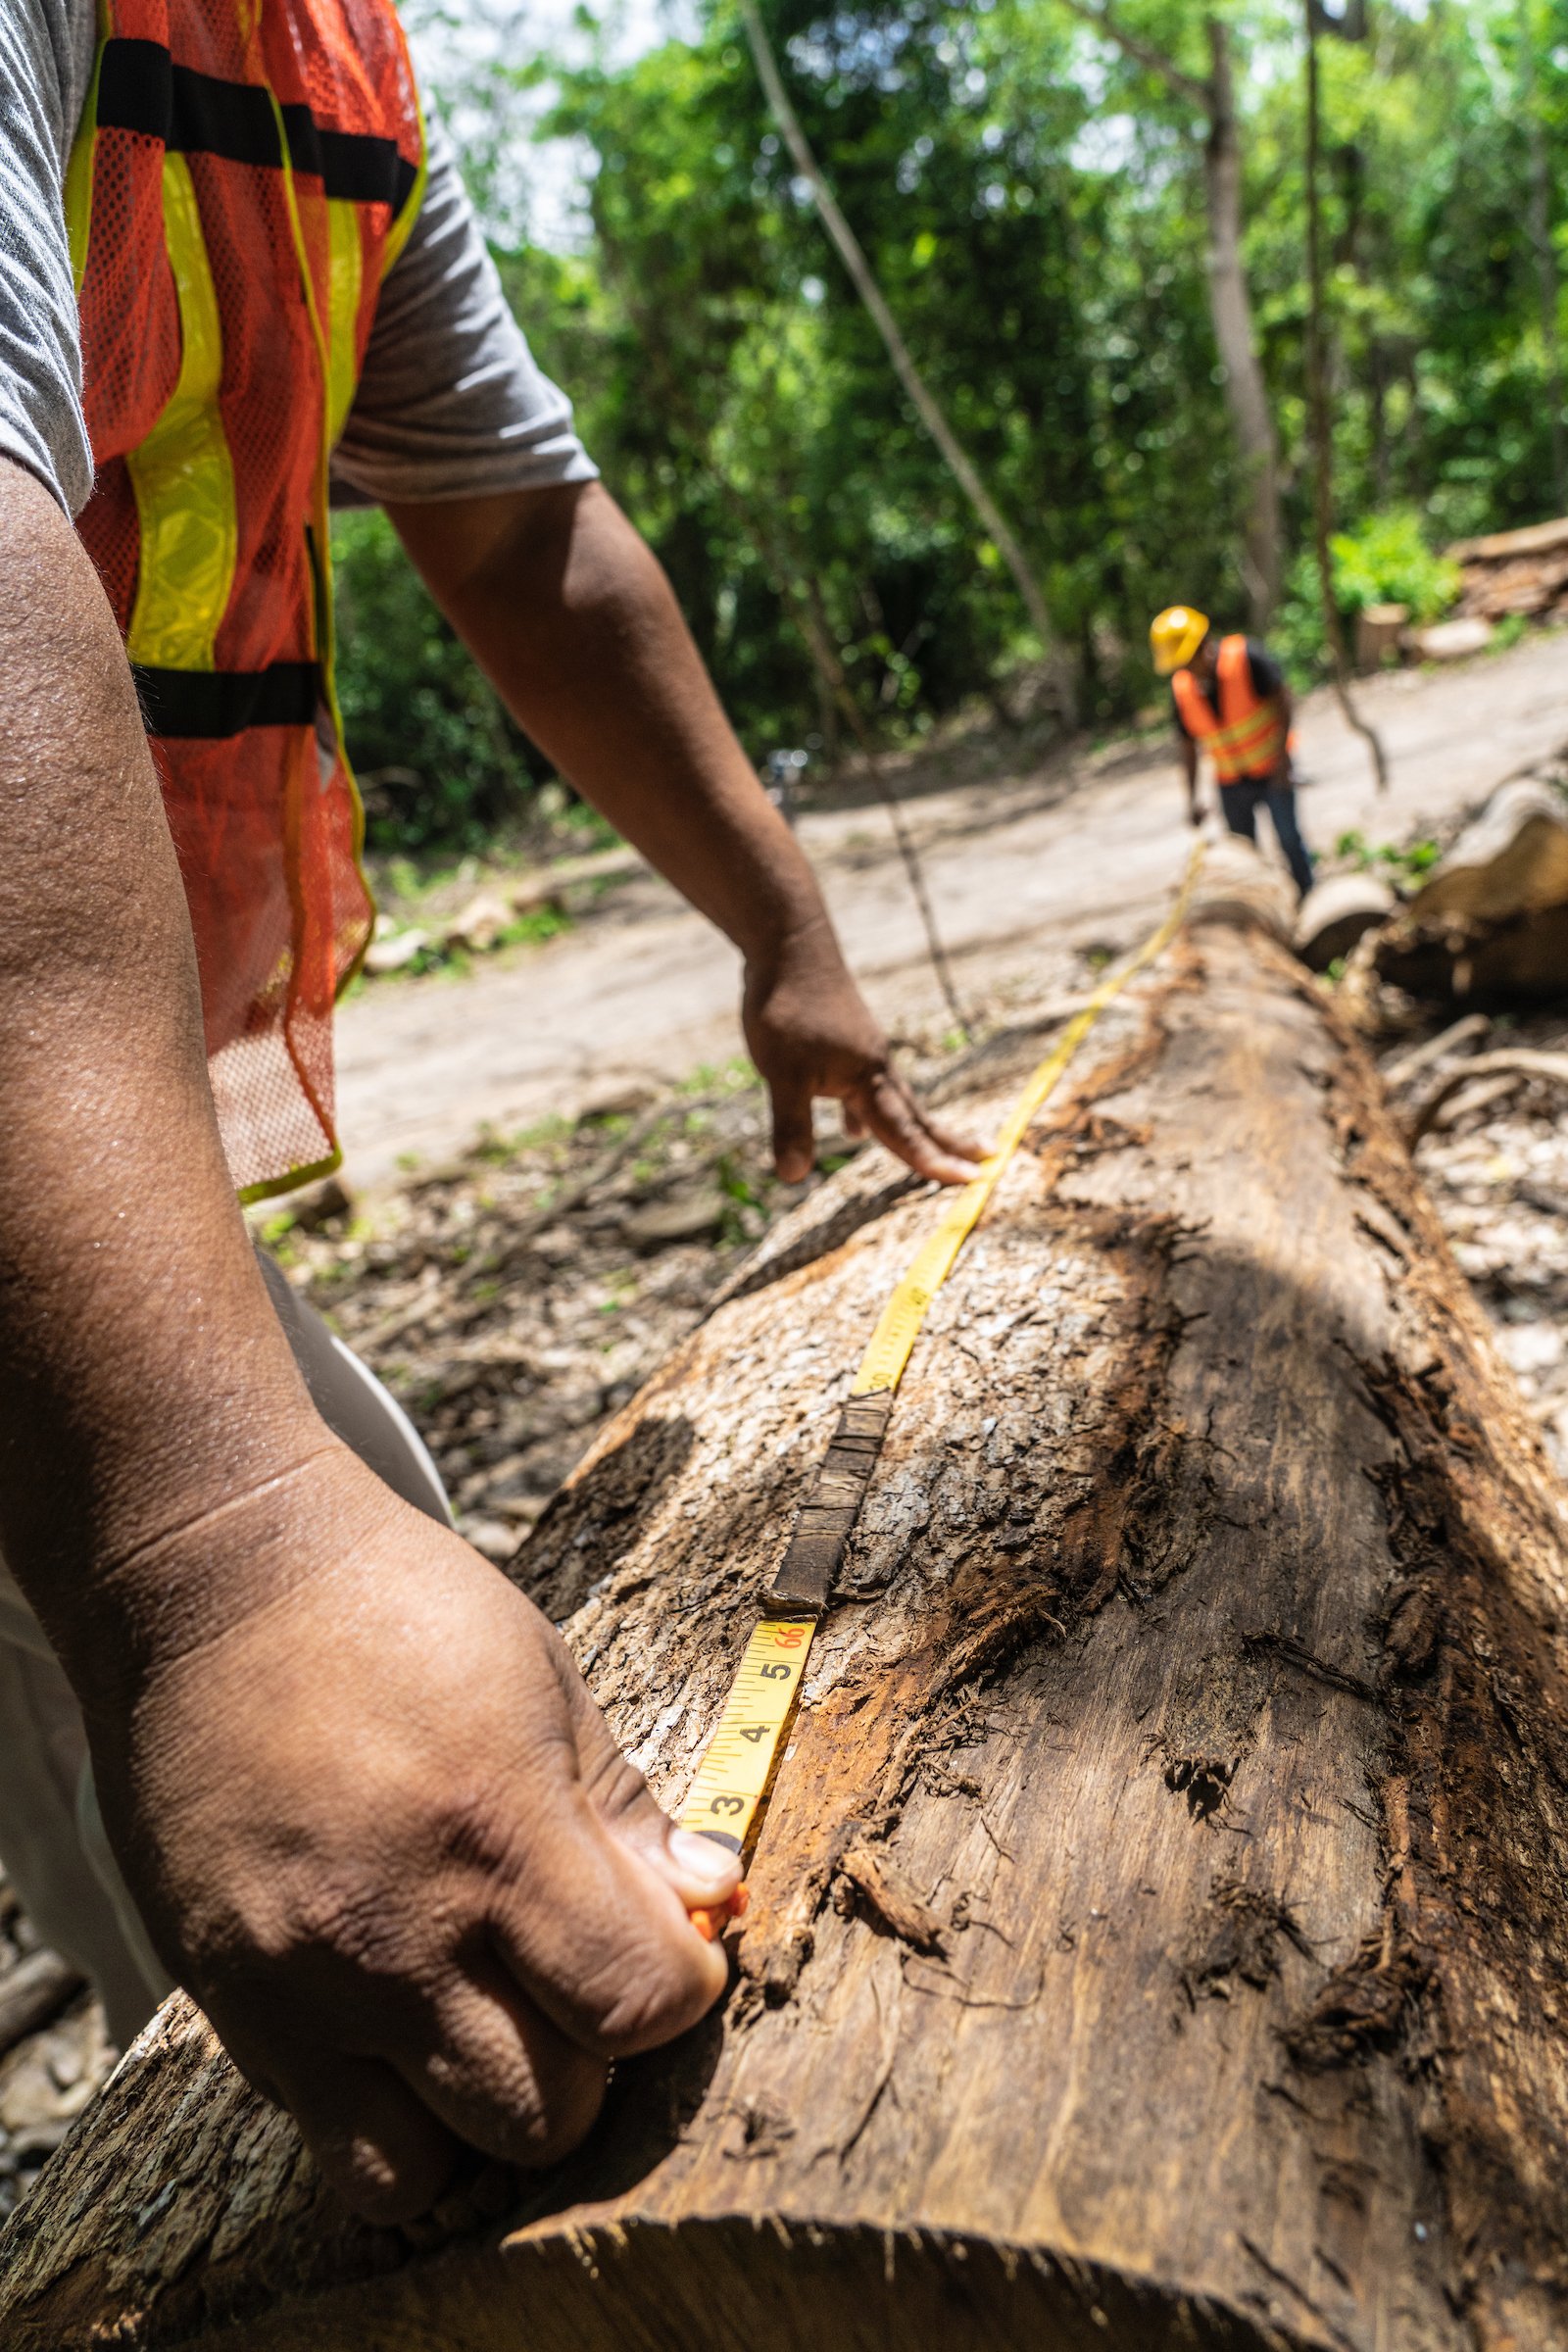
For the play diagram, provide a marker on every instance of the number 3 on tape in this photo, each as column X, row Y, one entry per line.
column 734, row 1775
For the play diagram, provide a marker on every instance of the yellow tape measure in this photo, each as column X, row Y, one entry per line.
column 736, row 1772
column 737, row 1766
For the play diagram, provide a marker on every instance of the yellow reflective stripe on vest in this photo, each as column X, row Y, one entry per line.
column 1256, row 727
column 398, row 234
column 182, row 475
column 1252, row 743
column 345, row 285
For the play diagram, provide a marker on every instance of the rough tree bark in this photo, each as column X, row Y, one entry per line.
column 1159, row 1936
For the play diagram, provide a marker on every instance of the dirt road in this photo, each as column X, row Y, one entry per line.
column 1024, row 871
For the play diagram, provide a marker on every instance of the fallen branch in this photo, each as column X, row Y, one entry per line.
column 34, row 1992
column 1521, row 1064
column 1457, row 1038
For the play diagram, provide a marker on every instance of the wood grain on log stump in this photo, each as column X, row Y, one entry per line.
column 1158, row 1934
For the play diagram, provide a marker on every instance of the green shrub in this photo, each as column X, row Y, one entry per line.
column 1385, row 561
column 1388, row 562
column 1407, row 864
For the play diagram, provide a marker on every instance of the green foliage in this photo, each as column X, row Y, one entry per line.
column 1385, row 561
column 1405, row 863
column 1032, row 201
column 1388, row 562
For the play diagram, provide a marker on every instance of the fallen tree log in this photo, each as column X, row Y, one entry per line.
column 1159, row 1937
column 1490, row 926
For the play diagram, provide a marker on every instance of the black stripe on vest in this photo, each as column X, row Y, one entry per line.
column 215, row 703
column 141, row 89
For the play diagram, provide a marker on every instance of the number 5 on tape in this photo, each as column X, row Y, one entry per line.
column 733, row 1777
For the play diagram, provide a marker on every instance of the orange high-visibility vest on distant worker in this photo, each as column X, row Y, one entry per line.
column 1246, row 736
column 245, row 173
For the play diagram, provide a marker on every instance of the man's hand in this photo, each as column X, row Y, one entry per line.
column 572, row 618
column 380, row 1829
column 811, row 1033
column 1194, row 810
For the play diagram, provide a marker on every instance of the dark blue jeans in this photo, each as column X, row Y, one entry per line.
column 1239, row 803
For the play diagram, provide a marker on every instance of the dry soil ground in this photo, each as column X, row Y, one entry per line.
column 1022, row 868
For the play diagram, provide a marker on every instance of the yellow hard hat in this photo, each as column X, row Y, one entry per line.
column 1175, row 637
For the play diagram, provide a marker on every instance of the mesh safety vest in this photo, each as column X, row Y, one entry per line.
column 1246, row 737
column 245, row 173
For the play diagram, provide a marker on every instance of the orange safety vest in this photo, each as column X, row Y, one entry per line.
column 245, row 173
column 1246, row 736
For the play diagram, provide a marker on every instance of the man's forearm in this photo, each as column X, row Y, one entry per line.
column 143, row 1377
column 575, row 621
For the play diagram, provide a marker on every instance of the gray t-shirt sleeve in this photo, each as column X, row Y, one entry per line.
column 451, row 403
column 41, row 424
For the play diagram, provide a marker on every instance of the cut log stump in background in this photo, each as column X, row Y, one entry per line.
column 1159, row 1936
column 1489, row 928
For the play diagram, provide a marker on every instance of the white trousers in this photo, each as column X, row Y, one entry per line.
column 52, row 1839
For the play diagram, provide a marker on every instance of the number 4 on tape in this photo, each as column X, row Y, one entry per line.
column 734, row 1775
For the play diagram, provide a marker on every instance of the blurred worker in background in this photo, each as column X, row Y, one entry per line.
column 1232, row 702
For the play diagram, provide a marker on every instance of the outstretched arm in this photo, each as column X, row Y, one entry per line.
column 366, row 1807
column 573, row 618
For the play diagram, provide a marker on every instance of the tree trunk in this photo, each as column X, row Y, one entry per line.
column 1230, row 302
column 1231, row 306
column 1545, row 253
column 1159, row 1934
column 1319, row 422
column 924, row 401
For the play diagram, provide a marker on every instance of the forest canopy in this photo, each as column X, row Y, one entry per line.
column 1031, row 195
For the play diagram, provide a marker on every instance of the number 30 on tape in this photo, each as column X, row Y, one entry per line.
column 734, row 1775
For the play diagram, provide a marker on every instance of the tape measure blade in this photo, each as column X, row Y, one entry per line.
column 739, row 1760
column 732, row 1780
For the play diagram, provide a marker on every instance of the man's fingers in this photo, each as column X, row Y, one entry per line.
column 378, row 2145
column 962, row 1146
column 501, row 2075
column 793, row 1141
column 597, row 1927
column 896, row 1119
column 699, row 1870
